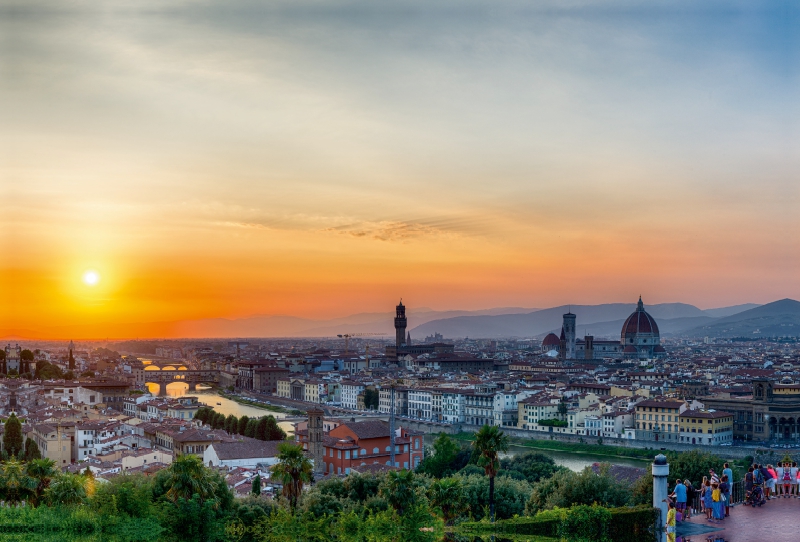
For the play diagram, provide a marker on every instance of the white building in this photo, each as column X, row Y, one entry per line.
column 248, row 454
column 350, row 392
column 420, row 404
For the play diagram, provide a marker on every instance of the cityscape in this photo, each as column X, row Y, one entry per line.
column 349, row 271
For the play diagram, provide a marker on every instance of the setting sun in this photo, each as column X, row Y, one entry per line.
column 91, row 278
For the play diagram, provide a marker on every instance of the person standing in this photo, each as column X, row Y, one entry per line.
column 794, row 472
column 707, row 500
column 690, row 497
column 726, row 471
column 773, row 481
column 670, row 527
column 725, row 489
column 716, row 503
column 748, row 483
column 680, row 497
column 786, row 479
column 702, row 491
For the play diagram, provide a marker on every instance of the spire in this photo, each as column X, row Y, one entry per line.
column 640, row 305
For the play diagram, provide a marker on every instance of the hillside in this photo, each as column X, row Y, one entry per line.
column 779, row 318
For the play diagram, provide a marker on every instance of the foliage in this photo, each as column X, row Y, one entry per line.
column 447, row 497
column 47, row 371
column 255, row 488
column 694, row 465
column 446, row 458
column 488, row 444
column 187, row 478
column 533, row 466
column 566, row 488
column 26, row 355
column 42, row 471
column 294, row 470
column 87, row 374
column 510, row 495
column 400, row 490
column 579, row 523
column 12, row 436
column 15, row 484
column 66, row 490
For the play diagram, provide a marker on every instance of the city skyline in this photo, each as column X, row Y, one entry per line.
column 320, row 161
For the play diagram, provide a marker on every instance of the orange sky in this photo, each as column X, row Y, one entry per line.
column 303, row 163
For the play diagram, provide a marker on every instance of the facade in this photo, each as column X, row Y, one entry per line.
column 533, row 409
column 250, row 453
column 350, row 392
column 479, row 407
column 265, row 379
column 420, row 403
column 658, row 419
column 13, row 362
column 452, row 406
column 709, row 427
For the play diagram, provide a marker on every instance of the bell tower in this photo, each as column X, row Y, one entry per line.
column 315, row 433
column 400, row 323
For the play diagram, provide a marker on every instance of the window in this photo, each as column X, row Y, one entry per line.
column 339, row 456
column 347, row 454
column 376, row 450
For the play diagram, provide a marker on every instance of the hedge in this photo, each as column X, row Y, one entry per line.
column 577, row 524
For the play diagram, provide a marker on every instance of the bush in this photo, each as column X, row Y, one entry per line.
column 580, row 523
column 553, row 423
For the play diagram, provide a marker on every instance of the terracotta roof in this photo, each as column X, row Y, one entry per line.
column 251, row 449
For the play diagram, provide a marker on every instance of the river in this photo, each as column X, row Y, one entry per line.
column 210, row 397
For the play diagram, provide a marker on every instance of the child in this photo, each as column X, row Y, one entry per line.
column 725, row 490
column 787, row 480
column 670, row 526
column 716, row 503
column 707, row 502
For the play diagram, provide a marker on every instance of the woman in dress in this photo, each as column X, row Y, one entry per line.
column 707, row 501
column 716, row 503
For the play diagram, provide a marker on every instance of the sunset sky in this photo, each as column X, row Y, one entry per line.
column 323, row 158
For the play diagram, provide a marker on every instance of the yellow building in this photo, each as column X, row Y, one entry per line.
column 657, row 419
column 709, row 427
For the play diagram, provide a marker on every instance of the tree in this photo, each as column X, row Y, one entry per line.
column 231, row 424
column 694, row 465
column 12, row 436
column 562, row 408
column 371, row 399
column 69, row 375
column 489, row 443
column 71, row 361
column 261, row 429
column 87, row 374
column 250, row 430
column 566, row 488
column 440, row 462
column 267, row 429
column 26, row 355
column 43, row 471
column 242, row 425
column 66, row 490
column 510, row 497
column 15, row 484
column 186, row 477
column 447, row 496
column 533, row 466
column 400, row 490
column 256, row 488
column 32, row 450
column 293, row 470
column 47, row 371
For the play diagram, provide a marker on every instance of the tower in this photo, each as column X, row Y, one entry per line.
column 315, row 432
column 400, row 323
column 569, row 335
column 71, row 357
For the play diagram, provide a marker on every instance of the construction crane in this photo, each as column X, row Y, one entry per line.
column 346, row 337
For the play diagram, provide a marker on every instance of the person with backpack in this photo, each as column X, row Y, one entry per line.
column 725, row 489
column 787, row 480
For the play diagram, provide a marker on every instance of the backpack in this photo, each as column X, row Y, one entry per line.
column 716, row 495
column 758, row 477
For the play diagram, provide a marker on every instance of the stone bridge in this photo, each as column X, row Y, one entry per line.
column 168, row 376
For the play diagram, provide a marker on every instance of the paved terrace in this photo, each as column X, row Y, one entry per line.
column 776, row 521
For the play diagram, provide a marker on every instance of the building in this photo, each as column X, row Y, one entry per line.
column 708, row 427
column 640, row 337
column 533, row 409
column 265, row 379
column 353, row 445
column 15, row 362
column 249, row 453
column 402, row 343
column 658, row 419
column 350, row 393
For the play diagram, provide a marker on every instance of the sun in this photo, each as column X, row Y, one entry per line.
column 90, row 278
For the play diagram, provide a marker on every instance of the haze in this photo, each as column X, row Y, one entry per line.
column 319, row 159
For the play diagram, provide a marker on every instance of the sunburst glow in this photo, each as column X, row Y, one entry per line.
column 90, row 278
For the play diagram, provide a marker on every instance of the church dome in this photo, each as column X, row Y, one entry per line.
column 640, row 322
column 551, row 340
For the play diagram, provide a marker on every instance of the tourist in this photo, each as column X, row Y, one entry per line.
column 680, row 497
column 670, row 527
column 795, row 474
column 690, row 497
column 786, row 477
column 772, row 480
column 725, row 489
column 707, row 499
column 713, row 476
column 716, row 503
column 748, row 482
column 779, row 480
column 702, row 491
column 726, row 471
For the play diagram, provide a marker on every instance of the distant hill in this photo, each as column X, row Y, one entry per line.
column 730, row 311
column 779, row 318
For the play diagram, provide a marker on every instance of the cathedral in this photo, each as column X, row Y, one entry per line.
column 639, row 339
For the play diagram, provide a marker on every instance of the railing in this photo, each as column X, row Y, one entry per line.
column 738, row 496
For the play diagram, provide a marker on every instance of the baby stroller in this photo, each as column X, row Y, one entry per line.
column 756, row 497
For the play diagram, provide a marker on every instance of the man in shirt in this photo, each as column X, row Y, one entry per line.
column 680, row 497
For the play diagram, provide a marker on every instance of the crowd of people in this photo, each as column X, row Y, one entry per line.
column 712, row 497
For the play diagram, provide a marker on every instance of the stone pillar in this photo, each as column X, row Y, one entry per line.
column 660, row 476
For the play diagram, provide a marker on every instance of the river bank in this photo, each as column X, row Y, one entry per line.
column 255, row 404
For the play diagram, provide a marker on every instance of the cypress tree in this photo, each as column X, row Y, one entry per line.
column 231, row 424
column 261, row 429
column 242, row 424
column 250, row 430
column 12, row 437
column 256, row 489
column 32, row 450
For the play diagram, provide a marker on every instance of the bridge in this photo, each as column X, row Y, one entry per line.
column 168, row 376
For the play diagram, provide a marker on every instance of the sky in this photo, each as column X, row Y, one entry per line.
column 323, row 158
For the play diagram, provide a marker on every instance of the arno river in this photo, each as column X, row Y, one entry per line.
column 573, row 461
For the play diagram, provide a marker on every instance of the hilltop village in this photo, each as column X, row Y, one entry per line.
column 134, row 406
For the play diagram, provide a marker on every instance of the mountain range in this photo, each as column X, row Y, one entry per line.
column 780, row 318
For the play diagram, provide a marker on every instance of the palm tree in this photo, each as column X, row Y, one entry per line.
column 489, row 443
column 400, row 490
column 187, row 476
column 66, row 490
column 293, row 470
column 43, row 471
column 447, row 495
column 15, row 484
